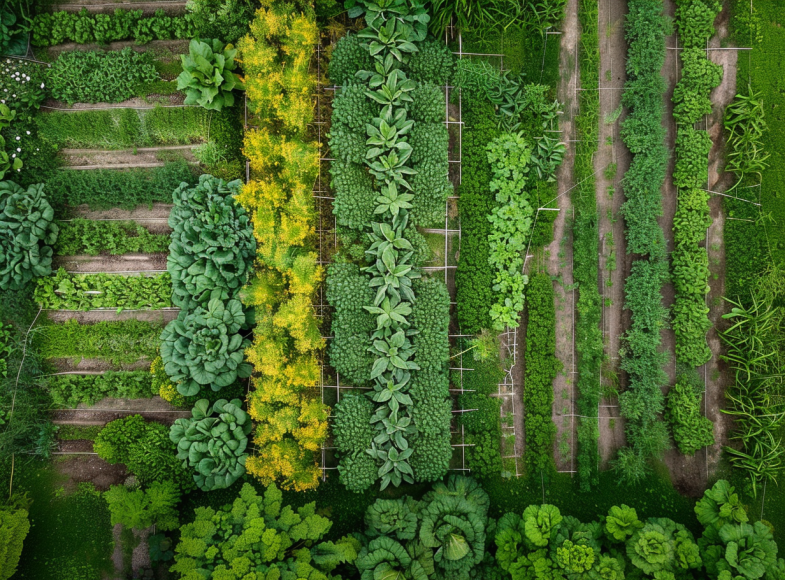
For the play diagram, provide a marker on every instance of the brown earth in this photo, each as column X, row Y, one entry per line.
column 75, row 446
column 76, row 417
column 91, row 468
column 165, row 47
column 149, row 101
column 94, row 364
column 148, row 7
column 93, row 316
column 76, row 159
column 614, row 263
column 150, row 264
column 559, row 252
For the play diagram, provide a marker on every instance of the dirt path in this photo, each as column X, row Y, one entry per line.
column 93, row 316
column 147, row 157
column 92, row 415
column 93, row 364
column 148, row 7
column 611, row 163
column 80, row 468
column 164, row 47
column 559, row 251
column 150, row 264
column 149, row 101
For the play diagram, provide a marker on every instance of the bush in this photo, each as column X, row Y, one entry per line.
column 428, row 104
column 352, row 427
column 355, row 198
column 68, row 391
column 485, row 413
column 144, row 448
column 433, row 63
column 139, row 509
column 27, row 232
column 484, row 458
column 99, row 77
column 14, row 527
column 348, row 57
column 353, row 108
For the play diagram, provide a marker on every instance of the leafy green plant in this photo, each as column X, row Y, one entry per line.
column 139, row 509
column 99, row 77
column 207, row 76
column 621, row 523
column 82, row 236
column 68, row 391
column 204, row 347
column 719, row 506
column 27, row 232
column 66, row 291
column 740, row 551
column 14, row 527
column 289, row 541
column 212, row 246
column 745, row 124
column 213, row 445
column 691, row 430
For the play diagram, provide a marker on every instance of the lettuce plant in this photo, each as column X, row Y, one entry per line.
column 204, row 347
column 207, row 78
column 720, row 505
column 26, row 234
column 213, row 444
column 621, row 522
column 212, row 246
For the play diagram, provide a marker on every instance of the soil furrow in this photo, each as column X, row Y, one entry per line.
column 559, row 252
column 149, row 101
column 122, row 264
column 93, row 316
column 95, row 364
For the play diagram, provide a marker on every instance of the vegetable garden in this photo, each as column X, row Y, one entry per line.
column 315, row 289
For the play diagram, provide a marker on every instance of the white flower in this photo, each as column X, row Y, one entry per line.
column 42, row 85
column 14, row 155
column 18, row 137
column 28, row 132
column 19, row 149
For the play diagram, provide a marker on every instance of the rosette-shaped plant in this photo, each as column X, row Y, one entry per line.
column 207, row 78
column 203, row 347
column 213, row 442
column 392, row 517
column 26, row 234
column 212, row 248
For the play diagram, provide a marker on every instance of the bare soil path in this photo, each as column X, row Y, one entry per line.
column 64, row 365
column 123, row 264
column 148, row 7
column 105, row 315
column 153, row 217
column 559, row 251
column 165, row 47
column 611, row 163
column 76, row 159
column 149, row 101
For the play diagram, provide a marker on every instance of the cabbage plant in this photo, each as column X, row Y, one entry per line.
column 212, row 247
column 213, row 442
column 26, row 234
column 207, row 78
column 204, row 347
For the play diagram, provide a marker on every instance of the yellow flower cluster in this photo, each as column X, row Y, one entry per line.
column 291, row 421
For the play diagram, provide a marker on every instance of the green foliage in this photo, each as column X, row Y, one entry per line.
column 484, row 458
column 107, row 188
column 741, row 551
column 14, row 526
column 352, row 108
column 427, row 104
column 695, row 21
column 92, row 237
column 225, row 19
column 212, row 247
column 491, row 15
column 474, row 276
column 719, row 506
column 139, row 509
column 285, row 541
column 20, row 84
column 745, row 125
column 432, row 63
column 691, row 430
column 348, row 57
column 53, row 28
column 588, row 337
column 213, row 445
column 117, row 342
column 207, row 76
column 353, row 435
column 125, row 128
column 68, row 391
column 429, row 159
column 393, row 517
column 204, row 347
column 643, row 133
column 66, row 291
column 26, row 234
column 541, row 368
column 621, row 523
column 144, row 448
column 99, row 77
column 78, row 432
column 357, row 471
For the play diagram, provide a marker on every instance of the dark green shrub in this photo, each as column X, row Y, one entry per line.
column 352, row 107
column 691, row 430
column 427, row 104
column 352, row 427
column 433, row 63
column 355, row 198
column 484, row 416
column 349, row 56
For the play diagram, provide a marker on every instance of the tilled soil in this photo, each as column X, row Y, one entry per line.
column 154, row 217
column 91, row 468
column 75, row 446
column 148, row 7
column 167, row 46
column 76, row 159
column 94, row 364
column 559, row 251
column 149, row 101
column 93, row 316
column 75, row 417
column 125, row 263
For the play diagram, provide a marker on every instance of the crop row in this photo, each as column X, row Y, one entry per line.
column 82, row 236
column 400, row 170
column 643, row 133
column 690, row 268
column 290, row 419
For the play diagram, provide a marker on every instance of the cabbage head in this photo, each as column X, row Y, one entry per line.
column 540, row 523
column 720, row 505
column 213, row 442
column 204, row 347
column 212, row 249
column 621, row 522
column 26, row 234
